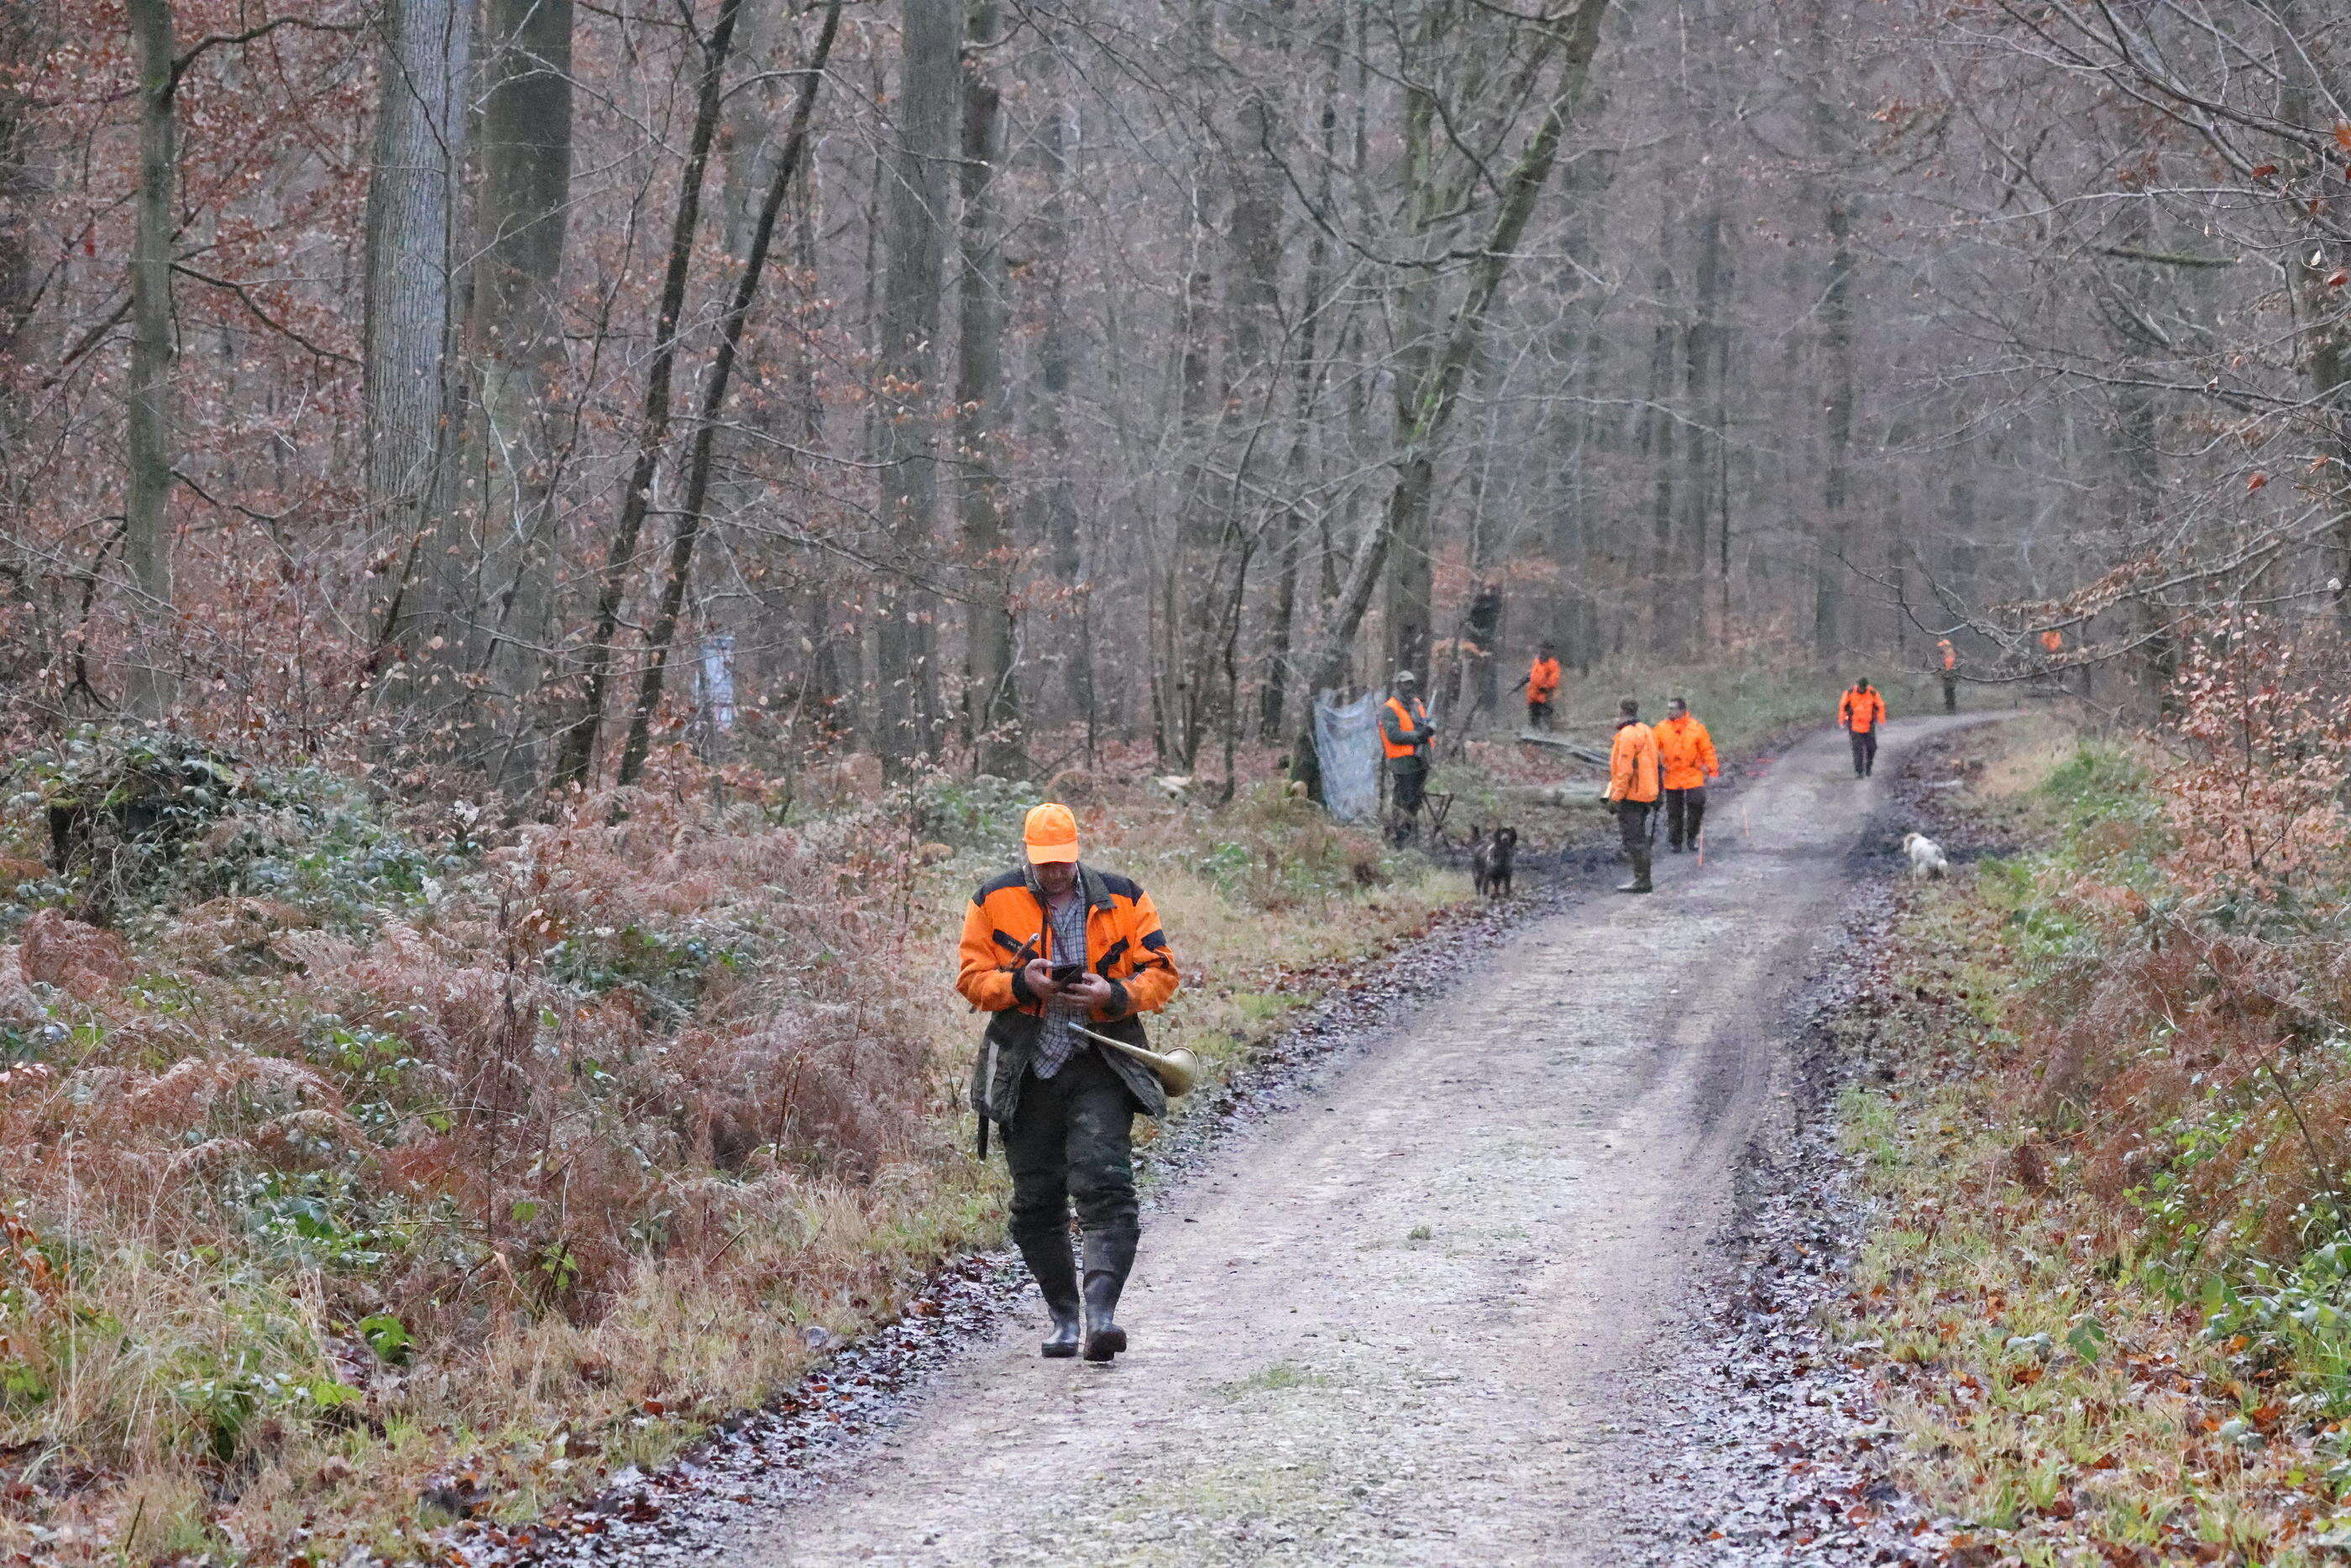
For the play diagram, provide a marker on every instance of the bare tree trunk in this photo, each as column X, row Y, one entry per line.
column 1434, row 193
column 927, row 141
column 1835, row 529
column 1833, row 533
column 411, row 304
column 1704, row 342
column 2330, row 386
column 522, row 219
column 1254, row 376
column 1184, row 671
column 1574, row 626
column 578, row 747
column 415, row 404
column 992, row 694
column 2326, row 357
column 687, row 534
column 22, row 30
column 26, row 31
column 1057, row 341
column 147, row 532
column 1660, row 433
column 794, row 629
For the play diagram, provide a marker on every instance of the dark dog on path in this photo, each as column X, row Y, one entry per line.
column 1491, row 855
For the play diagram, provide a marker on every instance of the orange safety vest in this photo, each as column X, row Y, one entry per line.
column 1950, row 654
column 1408, row 720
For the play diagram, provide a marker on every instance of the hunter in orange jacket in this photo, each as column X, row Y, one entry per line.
column 1632, row 789
column 1685, row 751
column 1633, row 762
column 1542, row 685
column 1004, row 927
column 1859, row 713
column 1067, row 1103
column 1862, row 708
column 1685, row 761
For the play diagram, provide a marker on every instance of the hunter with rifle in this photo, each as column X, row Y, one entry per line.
column 1066, row 959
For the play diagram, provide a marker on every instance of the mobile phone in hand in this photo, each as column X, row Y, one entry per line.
column 1068, row 973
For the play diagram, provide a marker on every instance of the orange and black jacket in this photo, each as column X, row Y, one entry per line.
column 1004, row 927
column 1860, row 712
column 1542, row 680
column 1685, row 754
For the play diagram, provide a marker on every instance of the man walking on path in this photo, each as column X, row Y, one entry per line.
column 1685, row 761
column 1859, row 713
column 1542, row 684
column 1049, row 948
column 1404, row 734
column 1950, row 675
column 1632, row 790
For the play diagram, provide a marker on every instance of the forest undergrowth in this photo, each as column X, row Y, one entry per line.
column 2106, row 1295
column 369, row 1167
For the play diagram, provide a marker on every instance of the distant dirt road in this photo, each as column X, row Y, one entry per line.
column 1405, row 1323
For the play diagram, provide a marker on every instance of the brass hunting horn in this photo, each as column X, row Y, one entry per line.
column 1177, row 1070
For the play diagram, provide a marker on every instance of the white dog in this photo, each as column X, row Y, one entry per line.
column 1926, row 858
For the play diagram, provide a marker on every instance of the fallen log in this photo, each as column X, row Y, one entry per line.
column 1575, row 792
column 1579, row 749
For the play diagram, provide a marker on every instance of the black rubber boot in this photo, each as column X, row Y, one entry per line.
column 1108, row 1261
column 1696, row 820
column 1056, row 1274
column 1640, row 882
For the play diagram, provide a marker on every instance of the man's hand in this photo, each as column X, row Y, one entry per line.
column 1090, row 989
column 1037, row 976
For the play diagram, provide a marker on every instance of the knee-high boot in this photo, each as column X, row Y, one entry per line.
column 1056, row 1274
column 1690, row 827
column 1110, row 1256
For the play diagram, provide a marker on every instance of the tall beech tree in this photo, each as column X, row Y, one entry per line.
column 154, row 355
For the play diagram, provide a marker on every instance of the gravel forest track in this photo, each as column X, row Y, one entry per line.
column 1407, row 1323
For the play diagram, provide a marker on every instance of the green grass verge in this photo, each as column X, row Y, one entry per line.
column 2064, row 1309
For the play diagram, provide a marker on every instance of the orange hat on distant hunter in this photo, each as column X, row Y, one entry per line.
column 1050, row 834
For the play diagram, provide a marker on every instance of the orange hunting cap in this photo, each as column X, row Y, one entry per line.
column 1050, row 834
